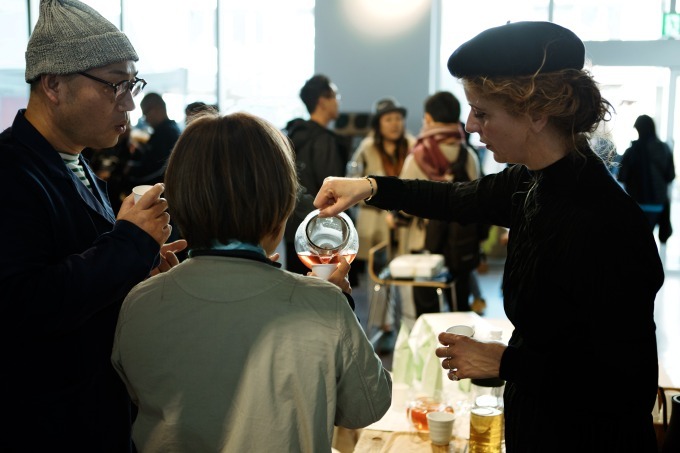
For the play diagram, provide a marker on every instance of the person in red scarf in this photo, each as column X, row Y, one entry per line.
column 441, row 154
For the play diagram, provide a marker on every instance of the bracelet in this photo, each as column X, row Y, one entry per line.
column 372, row 189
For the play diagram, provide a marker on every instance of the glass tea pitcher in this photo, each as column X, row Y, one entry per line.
column 323, row 240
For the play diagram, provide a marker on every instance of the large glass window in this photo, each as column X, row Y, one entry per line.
column 267, row 53
column 630, row 99
column 13, row 40
column 175, row 41
column 603, row 20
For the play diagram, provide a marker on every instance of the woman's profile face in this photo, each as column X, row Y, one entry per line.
column 392, row 126
column 504, row 134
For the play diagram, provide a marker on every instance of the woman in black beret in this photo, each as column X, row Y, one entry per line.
column 581, row 367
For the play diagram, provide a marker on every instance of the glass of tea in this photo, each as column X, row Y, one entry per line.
column 323, row 240
column 417, row 410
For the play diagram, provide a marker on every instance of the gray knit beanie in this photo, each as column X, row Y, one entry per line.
column 71, row 37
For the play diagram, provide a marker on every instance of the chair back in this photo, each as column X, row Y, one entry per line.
column 379, row 257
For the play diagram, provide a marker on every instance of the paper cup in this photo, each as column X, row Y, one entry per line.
column 461, row 329
column 400, row 395
column 440, row 425
column 324, row 270
column 139, row 191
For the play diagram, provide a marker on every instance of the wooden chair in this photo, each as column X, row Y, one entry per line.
column 381, row 298
column 661, row 422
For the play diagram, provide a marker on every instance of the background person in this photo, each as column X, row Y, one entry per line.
column 442, row 154
column 68, row 261
column 319, row 152
column 109, row 164
column 647, row 170
column 382, row 152
column 566, row 299
column 147, row 164
column 228, row 352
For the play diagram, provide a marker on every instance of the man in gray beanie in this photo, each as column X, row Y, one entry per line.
column 67, row 261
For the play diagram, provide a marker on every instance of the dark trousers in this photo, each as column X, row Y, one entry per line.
column 664, row 220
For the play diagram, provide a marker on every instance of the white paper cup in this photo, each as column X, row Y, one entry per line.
column 400, row 395
column 324, row 270
column 461, row 329
column 440, row 425
column 139, row 191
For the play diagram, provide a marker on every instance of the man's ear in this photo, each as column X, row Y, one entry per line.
column 52, row 85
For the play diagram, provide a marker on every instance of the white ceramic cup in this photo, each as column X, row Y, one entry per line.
column 139, row 191
column 440, row 425
column 461, row 329
column 324, row 270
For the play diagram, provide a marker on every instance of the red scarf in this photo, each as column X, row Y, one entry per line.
column 429, row 156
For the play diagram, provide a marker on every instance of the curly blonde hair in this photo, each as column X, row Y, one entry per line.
column 569, row 97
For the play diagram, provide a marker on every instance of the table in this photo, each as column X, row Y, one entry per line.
column 373, row 441
column 415, row 359
column 392, row 433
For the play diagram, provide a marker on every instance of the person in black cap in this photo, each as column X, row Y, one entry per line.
column 382, row 152
column 67, row 260
column 584, row 320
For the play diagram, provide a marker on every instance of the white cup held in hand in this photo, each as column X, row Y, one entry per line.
column 461, row 329
column 440, row 425
column 324, row 270
column 139, row 191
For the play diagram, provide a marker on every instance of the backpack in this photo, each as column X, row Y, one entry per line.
column 457, row 242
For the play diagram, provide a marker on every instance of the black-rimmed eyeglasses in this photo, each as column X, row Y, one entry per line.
column 134, row 86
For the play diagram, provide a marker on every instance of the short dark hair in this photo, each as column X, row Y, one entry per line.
column 645, row 126
column 443, row 107
column 152, row 100
column 194, row 109
column 315, row 88
column 230, row 177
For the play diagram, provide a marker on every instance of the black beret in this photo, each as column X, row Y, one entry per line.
column 518, row 49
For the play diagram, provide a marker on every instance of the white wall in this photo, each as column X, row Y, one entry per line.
column 367, row 62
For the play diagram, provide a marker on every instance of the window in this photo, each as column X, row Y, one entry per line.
column 175, row 41
column 603, row 20
column 267, row 54
column 13, row 40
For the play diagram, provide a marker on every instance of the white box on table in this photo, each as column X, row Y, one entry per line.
column 416, row 266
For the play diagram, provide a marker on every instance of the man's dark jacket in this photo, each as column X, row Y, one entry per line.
column 319, row 152
column 65, row 266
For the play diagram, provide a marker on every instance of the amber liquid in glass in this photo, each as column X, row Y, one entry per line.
column 418, row 410
column 486, row 430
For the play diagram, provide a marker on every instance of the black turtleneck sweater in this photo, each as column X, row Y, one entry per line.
column 579, row 286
